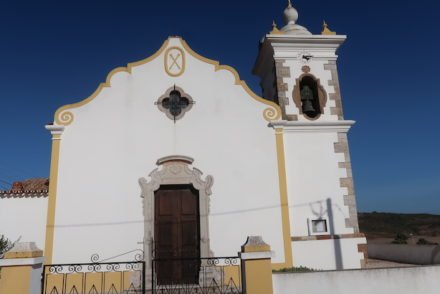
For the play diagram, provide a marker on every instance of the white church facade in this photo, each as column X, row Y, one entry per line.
column 175, row 156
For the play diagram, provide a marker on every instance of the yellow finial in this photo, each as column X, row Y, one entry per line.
column 275, row 30
column 326, row 30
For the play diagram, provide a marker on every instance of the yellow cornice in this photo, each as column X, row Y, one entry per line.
column 271, row 113
column 65, row 117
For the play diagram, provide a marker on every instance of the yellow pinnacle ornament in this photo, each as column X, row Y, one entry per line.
column 275, row 30
column 326, row 30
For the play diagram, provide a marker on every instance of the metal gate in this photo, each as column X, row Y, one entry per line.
column 94, row 278
column 219, row 275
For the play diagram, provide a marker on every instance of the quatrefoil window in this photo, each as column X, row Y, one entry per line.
column 175, row 103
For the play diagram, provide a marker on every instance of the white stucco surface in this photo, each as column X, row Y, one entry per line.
column 328, row 254
column 25, row 218
column 319, row 179
column 379, row 281
column 318, row 70
column 312, row 169
column 406, row 253
column 116, row 139
column 118, row 134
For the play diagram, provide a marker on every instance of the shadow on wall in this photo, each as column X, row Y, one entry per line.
column 337, row 242
column 324, row 209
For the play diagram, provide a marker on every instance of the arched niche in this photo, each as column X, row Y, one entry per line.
column 319, row 94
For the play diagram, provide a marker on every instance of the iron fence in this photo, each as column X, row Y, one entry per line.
column 219, row 275
column 94, row 278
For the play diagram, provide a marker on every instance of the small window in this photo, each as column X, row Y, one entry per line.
column 319, row 226
column 174, row 103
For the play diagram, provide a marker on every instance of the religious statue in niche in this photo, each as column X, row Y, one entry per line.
column 175, row 103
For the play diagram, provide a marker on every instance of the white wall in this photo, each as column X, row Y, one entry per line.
column 25, row 217
column 378, row 281
column 117, row 138
column 412, row 254
column 313, row 181
column 312, row 164
column 328, row 254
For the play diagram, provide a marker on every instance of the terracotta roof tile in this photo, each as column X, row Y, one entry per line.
column 36, row 184
column 29, row 188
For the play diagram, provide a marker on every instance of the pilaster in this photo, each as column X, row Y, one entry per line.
column 256, row 266
column 21, row 269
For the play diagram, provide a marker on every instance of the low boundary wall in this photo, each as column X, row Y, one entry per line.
column 21, row 270
column 403, row 253
column 407, row 280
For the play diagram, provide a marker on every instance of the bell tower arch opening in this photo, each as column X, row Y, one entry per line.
column 309, row 96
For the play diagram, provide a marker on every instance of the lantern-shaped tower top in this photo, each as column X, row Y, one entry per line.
column 290, row 18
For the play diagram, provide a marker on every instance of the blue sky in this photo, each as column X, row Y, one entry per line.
column 57, row 52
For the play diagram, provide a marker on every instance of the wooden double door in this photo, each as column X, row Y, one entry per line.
column 177, row 235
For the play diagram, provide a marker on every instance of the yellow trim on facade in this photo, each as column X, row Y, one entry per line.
column 16, row 280
column 271, row 113
column 166, row 60
column 63, row 117
column 288, row 258
column 256, row 248
column 258, row 276
column 51, row 206
column 23, row 254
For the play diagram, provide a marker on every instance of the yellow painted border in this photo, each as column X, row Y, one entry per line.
column 64, row 117
column 165, row 61
column 51, row 205
column 271, row 113
column 288, row 258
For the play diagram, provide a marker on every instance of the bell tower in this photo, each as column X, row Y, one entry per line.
column 291, row 59
column 298, row 71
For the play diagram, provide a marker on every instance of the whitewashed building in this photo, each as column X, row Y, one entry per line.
column 176, row 156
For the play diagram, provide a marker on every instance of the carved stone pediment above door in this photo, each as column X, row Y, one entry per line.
column 174, row 170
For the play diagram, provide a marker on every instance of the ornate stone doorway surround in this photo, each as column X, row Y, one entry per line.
column 174, row 170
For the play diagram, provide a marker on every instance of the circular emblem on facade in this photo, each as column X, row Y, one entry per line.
column 174, row 61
